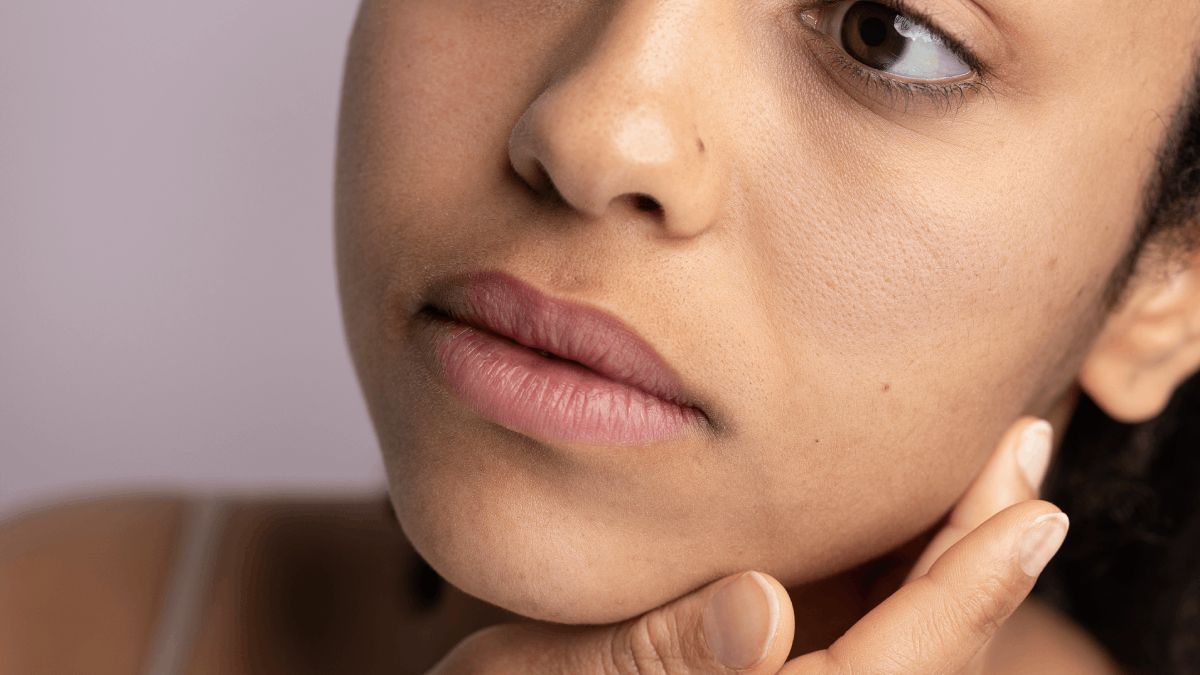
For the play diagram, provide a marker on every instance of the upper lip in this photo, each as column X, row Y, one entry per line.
column 502, row 304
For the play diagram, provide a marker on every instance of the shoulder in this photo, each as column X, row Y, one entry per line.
column 297, row 580
column 84, row 573
column 1038, row 638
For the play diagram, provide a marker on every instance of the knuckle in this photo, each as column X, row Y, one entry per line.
column 969, row 614
column 893, row 663
column 924, row 639
column 649, row 645
column 983, row 608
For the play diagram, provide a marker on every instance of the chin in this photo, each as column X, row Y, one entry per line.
column 530, row 584
column 512, row 549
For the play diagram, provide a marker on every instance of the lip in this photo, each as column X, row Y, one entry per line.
column 599, row 383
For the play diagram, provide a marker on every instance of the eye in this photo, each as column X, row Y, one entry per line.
column 888, row 40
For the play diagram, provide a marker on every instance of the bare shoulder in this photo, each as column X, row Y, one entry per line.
column 299, row 582
column 1038, row 638
column 84, row 573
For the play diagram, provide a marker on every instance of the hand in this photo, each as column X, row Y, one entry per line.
column 974, row 573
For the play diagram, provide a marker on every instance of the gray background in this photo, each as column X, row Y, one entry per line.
column 168, row 310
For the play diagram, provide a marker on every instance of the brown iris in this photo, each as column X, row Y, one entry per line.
column 869, row 35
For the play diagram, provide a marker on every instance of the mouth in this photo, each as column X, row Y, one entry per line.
column 552, row 369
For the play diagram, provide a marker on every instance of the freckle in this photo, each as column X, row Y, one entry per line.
column 816, row 440
column 1052, row 263
column 887, row 387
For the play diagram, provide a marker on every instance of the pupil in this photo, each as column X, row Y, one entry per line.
column 873, row 31
column 869, row 35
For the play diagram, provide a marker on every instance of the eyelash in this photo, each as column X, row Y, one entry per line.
column 947, row 98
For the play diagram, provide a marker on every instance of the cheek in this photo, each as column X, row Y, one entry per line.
column 414, row 117
column 912, row 312
column 431, row 83
column 431, row 88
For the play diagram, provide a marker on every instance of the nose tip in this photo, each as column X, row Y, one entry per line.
column 637, row 159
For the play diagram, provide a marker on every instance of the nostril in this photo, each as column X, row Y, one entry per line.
column 545, row 185
column 535, row 177
column 646, row 203
column 543, row 181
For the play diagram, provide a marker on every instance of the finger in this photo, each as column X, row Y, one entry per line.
column 1013, row 474
column 738, row 624
column 938, row 622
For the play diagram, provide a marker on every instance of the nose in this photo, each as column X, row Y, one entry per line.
column 626, row 126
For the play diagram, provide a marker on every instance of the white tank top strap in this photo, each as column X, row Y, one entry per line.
column 187, row 587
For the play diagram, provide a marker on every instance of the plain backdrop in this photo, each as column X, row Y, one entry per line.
column 168, row 308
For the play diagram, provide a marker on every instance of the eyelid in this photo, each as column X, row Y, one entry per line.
column 945, row 98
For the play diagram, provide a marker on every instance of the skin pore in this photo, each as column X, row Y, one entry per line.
column 862, row 286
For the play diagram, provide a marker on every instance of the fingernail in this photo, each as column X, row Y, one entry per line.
column 1033, row 452
column 1041, row 541
column 740, row 621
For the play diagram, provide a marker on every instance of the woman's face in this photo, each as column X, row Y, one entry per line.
column 863, row 275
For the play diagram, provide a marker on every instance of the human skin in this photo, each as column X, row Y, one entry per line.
column 864, row 291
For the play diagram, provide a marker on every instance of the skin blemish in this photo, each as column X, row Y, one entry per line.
column 887, row 387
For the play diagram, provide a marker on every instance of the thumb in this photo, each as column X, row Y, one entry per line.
column 742, row 623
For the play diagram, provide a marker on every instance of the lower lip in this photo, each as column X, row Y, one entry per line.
column 550, row 399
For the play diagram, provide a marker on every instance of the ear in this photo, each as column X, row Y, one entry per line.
column 1147, row 348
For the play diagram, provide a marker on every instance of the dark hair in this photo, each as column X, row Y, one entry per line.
column 1129, row 571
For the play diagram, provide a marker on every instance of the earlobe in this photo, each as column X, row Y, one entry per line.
column 1146, row 349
